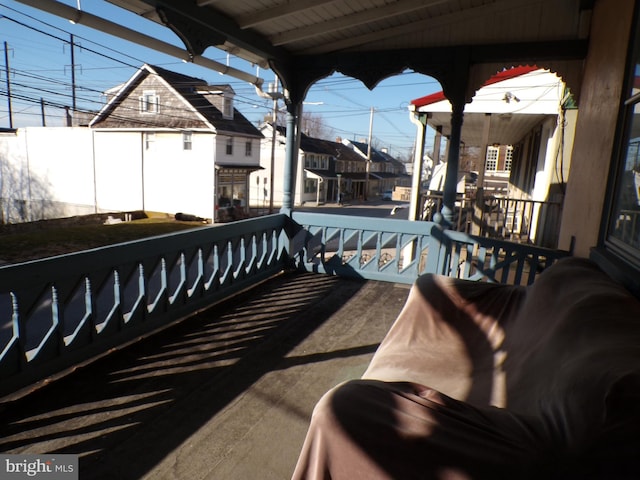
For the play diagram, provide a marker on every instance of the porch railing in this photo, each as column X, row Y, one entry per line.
column 523, row 221
column 399, row 251
column 62, row 311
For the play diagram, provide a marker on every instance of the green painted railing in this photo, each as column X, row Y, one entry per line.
column 62, row 311
column 399, row 251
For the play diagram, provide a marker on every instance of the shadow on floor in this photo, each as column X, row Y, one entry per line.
column 172, row 405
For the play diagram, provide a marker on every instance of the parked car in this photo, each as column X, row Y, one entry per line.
column 387, row 195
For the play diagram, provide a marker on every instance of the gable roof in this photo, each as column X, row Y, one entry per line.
column 323, row 147
column 376, row 155
column 198, row 96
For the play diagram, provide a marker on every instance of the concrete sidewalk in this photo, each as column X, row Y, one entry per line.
column 226, row 394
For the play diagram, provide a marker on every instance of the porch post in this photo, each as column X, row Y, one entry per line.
column 291, row 157
column 478, row 224
column 453, row 160
column 437, row 141
column 420, row 121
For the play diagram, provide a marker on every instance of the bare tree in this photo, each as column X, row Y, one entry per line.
column 313, row 125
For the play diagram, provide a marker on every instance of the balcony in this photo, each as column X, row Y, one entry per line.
column 203, row 352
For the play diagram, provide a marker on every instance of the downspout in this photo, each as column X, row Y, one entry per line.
column 95, row 177
column 142, row 150
column 320, row 182
column 420, row 121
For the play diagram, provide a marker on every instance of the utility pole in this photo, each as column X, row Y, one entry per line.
column 6, row 63
column 368, row 166
column 73, row 75
column 44, row 121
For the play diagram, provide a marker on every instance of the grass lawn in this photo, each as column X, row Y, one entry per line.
column 45, row 241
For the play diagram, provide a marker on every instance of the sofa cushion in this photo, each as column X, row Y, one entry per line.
column 574, row 342
column 569, row 386
column 449, row 337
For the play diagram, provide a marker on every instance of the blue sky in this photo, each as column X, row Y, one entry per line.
column 40, row 64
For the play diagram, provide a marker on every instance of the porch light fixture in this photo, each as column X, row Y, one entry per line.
column 510, row 96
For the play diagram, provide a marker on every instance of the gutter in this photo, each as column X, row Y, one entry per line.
column 92, row 21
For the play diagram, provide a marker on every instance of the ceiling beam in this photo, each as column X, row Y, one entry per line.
column 279, row 12
column 487, row 10
column 353, row 20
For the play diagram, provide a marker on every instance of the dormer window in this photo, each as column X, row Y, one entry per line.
column 227, row 107
column 149, row 102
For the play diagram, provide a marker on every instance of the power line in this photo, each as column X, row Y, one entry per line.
column 32, row 82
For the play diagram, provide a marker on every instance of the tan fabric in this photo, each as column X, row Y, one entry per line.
column 561, row 359
column 449, row 336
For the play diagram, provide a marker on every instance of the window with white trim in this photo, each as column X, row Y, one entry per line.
column 187, row 140
column 229, row 148
column 149, row 140
column 227, row 107
column 491, row 162
column 248, row 148
column 149, row 102
column 508, row 159
column 310, row 185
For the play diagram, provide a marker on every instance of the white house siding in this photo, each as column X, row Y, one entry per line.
column 238, row 156
column 119, row 171
column 162, row 178
column 278, row 174
column 46, row 172
column 54, row 172
column 178, row 180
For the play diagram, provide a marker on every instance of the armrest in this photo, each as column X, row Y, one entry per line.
column 448, row 337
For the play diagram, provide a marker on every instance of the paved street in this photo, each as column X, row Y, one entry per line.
column 372, row 208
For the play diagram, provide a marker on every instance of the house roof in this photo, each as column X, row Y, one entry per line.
column 377, row 156
column 514, row 101
column 498, row 77
column 196, row 92
column 323, row 147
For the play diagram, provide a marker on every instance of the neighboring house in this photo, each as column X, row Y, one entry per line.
column 173, row 143
column 321, row 169
column 385, row 171
column 163, row 142
column 522, row 121
column 46, row 172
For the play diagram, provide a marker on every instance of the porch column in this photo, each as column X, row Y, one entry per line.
column 420, row 121
column 478, row 210
column 437, row 142
column 453, row 160
column 291, row 157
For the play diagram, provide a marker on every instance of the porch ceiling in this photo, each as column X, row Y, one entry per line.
column 371, row 39
column 505, row 129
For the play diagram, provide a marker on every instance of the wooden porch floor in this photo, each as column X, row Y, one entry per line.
column 224, row 395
